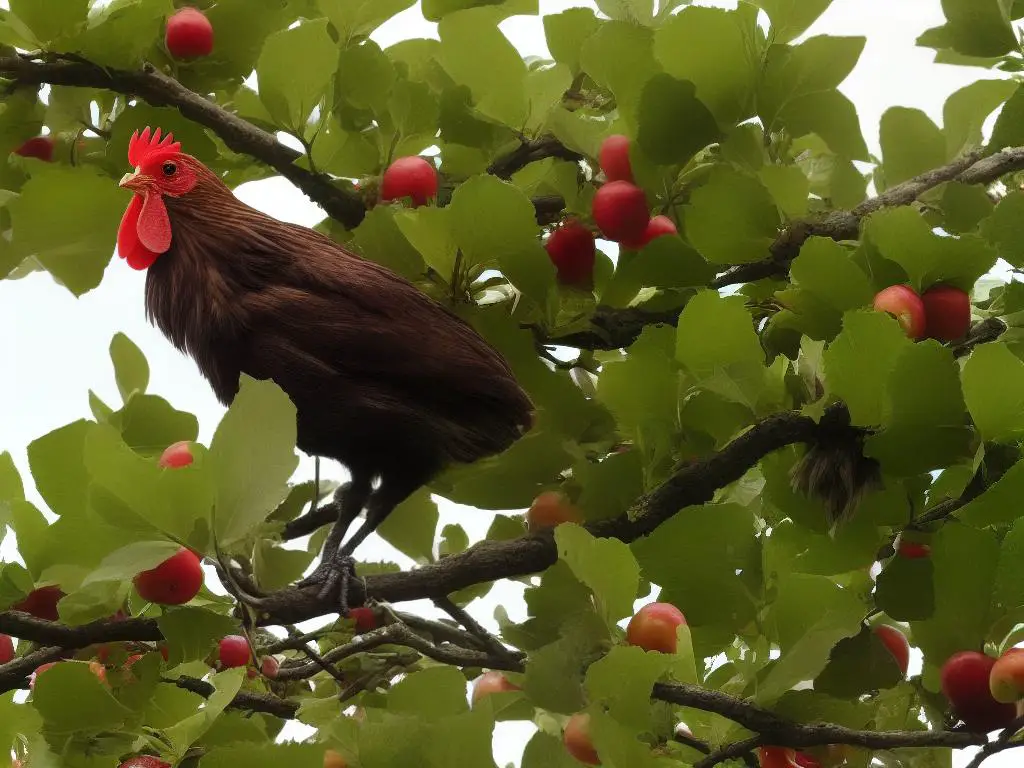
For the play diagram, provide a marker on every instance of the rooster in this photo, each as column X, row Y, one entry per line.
column 384, row 379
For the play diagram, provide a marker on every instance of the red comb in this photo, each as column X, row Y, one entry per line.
column 141, row 145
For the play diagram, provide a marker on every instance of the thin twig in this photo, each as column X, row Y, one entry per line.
column 493, row 644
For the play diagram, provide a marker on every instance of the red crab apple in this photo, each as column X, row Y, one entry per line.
column 577, row 739
column 177, row 455
column 189, row 34
column 333, row 759
column 614, row 158
column 912, row 550
column 571, row 249
column 144, row 761
column 549, row 509
column 653, row 627
column 1006, row 680
column 903, row 303
column 776, row 757
column 947, row 312
column 269, row 666
column 491, row 682
column 174, row 582
column 6, row 649
column 620, row 211
column 233, row 651
column 41, row 603
column 965, row 682
column 656, row 227
column 413, row 177
column 364, row 618
column 39, row 147
column 896, row 643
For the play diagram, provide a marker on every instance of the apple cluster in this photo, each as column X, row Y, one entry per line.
column 943, row 312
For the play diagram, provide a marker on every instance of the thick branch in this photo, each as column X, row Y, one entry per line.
column 528, row 152
column 252, row 702
column 494, row 560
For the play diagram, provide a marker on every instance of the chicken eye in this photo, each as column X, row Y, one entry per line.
column 169, row 169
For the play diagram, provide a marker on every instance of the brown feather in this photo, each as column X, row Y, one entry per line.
column 385, row 379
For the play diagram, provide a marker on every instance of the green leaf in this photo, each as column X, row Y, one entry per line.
column 1007, row 131
column 791, row 18
column 544, row 88
column 71, row 698
column 566, row 32
column 967, row 109
column 903, row 236
column 825, row 269
column 673, row 123
column 979, row 27
column 605, row 565
column 67, row 218
column 993, row 385
column 1008, row 593
column 904, row 588
column 732, row 219
column 830, row 115
column 185, row 733
column 123, row 33
column 911, row 144
column 619, row 56
column 435, row 10
column 999, row 504
column 965, row 206
column 475, row 53
column 295, row 70
column 1004, row 229
column 130, row 367
column 125, row 563
column 858, row 665
column 411, row 527
column 713, row 49
column 11, row 487
column 191, row 632
column 858, row 363
column 695, row 556
column 265, row 755
column 149, row 424
column 94, row 601
column 253, row 457
column 554, row 672
column 358, row 18
column 58, row 468
column 430, row 232
column 788, row 186
column 50, row 21
column 962, row 595
column 492, row 220
column 622, row 681
column 810, row 615
column 818, row 64
column 380, row 239
column 430, row 693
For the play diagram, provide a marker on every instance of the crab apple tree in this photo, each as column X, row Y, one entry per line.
column 757, row 503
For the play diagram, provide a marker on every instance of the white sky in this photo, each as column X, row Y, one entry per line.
column 54, row 346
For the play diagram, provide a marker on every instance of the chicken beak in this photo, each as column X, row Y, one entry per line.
column 134, row 181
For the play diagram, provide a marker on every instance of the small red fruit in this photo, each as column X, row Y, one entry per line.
column 614, row 158
column 270, row 666
column 577, row 739
column 233, row 651
column 491, row 682
column 965, row 682
column 40, row 147
column 144, row 761
column 572, row 251
column 549, row 509
column 1006, row 680
column 776, row 757
column 897, row 644
column 903, row 303
column 364, row 618
column 620, row 211
column 189, row 34
column 653, row 627
column 806, row 761
column 947, row 312
column 41, row 603
column 333, row 759
column 177, row 455
column 413, row 177
column 656, row 227
column 6, row 649
column 174, row 582
column 912, row 550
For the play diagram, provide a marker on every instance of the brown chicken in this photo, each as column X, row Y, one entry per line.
column 384, row 379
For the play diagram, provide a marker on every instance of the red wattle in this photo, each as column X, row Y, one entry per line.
column 129, row 245
column 154, row 227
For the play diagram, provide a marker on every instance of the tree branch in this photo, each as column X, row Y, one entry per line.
column 253, row 702
column 530, row 151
